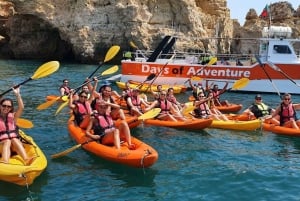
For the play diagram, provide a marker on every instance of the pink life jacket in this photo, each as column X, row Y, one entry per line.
column 8, row 128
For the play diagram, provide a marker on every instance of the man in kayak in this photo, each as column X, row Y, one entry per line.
column 258, row 109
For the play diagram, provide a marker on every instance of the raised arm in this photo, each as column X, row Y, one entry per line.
column 20, row 103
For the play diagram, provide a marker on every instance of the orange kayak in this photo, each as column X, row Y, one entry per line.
column 142, row 157
column 280, row 130
column 230, row 108
column 240, row 117
column 195, row 124
column 224, row 109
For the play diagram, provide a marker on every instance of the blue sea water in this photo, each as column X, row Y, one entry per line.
column 210, row 164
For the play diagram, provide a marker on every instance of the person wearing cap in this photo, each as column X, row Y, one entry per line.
column 134, row 103
column 259, row 109
column 287, row 112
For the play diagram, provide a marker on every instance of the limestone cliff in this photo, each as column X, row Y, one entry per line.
column 84, row 29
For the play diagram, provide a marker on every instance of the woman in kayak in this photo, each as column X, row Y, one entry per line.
column 9, row 132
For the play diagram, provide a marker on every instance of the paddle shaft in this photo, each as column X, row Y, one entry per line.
column 160, row 72
column 16, row 86
column 282, row 72
column 262, row 66
column 212, row 61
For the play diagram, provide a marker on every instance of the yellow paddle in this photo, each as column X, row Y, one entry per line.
column 148, row 115
column 131, row 43
column 43, row 71
column 239, row 84
column 24, row 123
column 49, row 103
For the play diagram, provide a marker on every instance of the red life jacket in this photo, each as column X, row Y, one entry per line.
column 105, row 121
column 164, row 105
column 136, row 101
column 8, row 128
column 67, row 89
column 287, row 113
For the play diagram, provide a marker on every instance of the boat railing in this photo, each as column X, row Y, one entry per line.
column 194, row 57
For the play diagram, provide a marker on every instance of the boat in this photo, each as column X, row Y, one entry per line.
column 145, row 88
column 280, row 130
column 276, row 63
column 142, row 157
column 237, row 125
column 16, row 172
column 164, row 86
column 190, row 124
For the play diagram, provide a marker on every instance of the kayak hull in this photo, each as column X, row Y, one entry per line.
column 190, row 124
column 142, row 157
column 237, row 125
column 280, row 130
column 18, row 173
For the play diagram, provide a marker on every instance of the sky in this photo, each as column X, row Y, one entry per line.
column 240, row 8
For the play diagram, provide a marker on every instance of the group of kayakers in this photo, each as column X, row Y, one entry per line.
column 205, row 100
column 96, row 111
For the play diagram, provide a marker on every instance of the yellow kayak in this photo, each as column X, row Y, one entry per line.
column 237, row 125
column 18, row 173
column 145, row 88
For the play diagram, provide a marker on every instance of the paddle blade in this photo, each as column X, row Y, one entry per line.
column 212, row 61
column 186, row 110
column 46, row 69
column 64, row 104
column 131, row 43
column 241, row 83
column 24, row 123
column 150, row 77
column 63, row 153
column 112, row 52
column 47, row 104
column 150, row 114
column 110, row 70
column 196, row 78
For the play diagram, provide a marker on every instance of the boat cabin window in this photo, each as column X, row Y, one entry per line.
column 282, row 49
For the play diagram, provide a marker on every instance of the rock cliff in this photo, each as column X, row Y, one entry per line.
column 83, row 30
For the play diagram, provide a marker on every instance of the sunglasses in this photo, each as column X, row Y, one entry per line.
column 258, row 99
column 83, row 96
column 287, row 99
column 6, row 106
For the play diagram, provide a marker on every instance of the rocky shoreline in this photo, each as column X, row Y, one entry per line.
column 83, row 30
